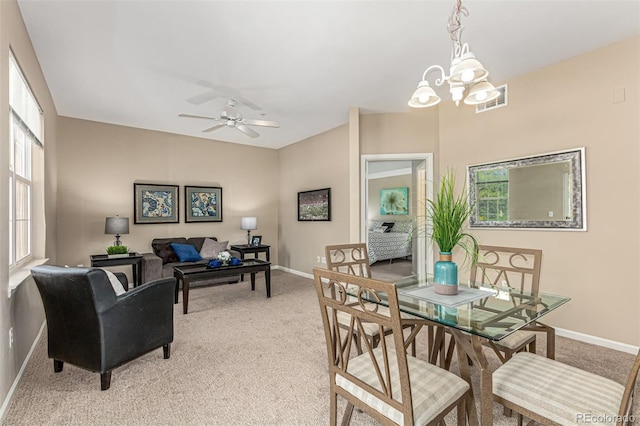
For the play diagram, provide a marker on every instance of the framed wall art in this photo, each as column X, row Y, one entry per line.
column 203, row 203
column 155, row 203
column 314, row 205
column 394, row 201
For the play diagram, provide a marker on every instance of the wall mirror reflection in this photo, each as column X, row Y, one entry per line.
column 542, row 191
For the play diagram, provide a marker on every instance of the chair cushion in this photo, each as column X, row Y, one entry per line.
column 186, row 252
column 118, row 288
column 432, row 388
column 211, row 248
column 516, row 339
column 557, row 391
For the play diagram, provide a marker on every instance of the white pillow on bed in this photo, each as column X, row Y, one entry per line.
column 379, row 230
column 115, row 283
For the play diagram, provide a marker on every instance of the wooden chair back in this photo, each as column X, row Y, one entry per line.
column 517, row 268
column 389, row 368
column 627, row 397
column 348, row 258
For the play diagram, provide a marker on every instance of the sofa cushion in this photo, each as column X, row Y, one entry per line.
column 211, row 248
column 186, row 252
column 198, row 241
column 165, row 252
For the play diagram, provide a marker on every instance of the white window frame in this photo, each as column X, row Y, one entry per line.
column 26, row 123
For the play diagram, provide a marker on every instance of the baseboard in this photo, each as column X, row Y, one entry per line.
column 599, row 341
column 9, row 397
column 294, row 272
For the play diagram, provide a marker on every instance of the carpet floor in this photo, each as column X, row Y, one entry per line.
column 238, row 358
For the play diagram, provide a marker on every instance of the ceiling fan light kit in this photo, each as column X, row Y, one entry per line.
column 465, row 72
column 231, row 117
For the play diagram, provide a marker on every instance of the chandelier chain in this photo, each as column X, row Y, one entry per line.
column 454, row 25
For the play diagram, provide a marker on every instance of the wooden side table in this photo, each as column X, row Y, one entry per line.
column 134, row 259
column 244, row 249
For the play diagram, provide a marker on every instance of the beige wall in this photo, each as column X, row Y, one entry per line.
column 23, row 310
column 569, row 105
column 321, row 161
column 102, row 161
column 415, row 131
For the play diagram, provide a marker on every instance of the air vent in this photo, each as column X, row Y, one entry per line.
column 498, row 102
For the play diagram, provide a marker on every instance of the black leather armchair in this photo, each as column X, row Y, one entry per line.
column 92, row 328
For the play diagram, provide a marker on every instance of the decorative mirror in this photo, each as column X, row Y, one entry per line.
column 545, row 191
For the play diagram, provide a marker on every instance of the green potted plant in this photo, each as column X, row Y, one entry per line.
column 117, row 251
column 448, row 213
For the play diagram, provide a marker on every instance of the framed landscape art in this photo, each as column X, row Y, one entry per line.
column 314, row 206
column 155, row 203
column 203, row 203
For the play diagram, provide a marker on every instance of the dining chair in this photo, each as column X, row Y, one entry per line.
column 550, row 392
column 383, row 382
column 517, row 268
column 354, row 259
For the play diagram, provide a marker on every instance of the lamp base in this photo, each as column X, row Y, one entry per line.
column 248, row 237
column 117, row 242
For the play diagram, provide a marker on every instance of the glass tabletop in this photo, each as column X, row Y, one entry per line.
column 488, row 311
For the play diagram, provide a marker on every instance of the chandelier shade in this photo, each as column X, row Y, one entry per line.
column 481, row 92
column 424, row 96
column 469, row 70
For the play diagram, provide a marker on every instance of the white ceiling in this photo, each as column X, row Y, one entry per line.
column 135, row 63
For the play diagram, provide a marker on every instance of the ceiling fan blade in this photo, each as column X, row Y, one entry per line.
column 247, row 130
column 266, row 123
column 217, row 126
column 247, row 102
column 198, row 116
column 202, row 97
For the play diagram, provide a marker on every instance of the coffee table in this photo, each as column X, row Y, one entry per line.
column 198, row 272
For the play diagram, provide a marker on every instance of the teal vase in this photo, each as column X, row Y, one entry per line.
column 445, row 275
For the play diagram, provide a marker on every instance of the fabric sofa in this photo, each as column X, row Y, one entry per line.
column 160, row 263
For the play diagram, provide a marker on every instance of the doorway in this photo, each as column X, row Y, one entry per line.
column 416, row 171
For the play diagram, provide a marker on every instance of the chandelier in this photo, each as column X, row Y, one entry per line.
column 465, row 72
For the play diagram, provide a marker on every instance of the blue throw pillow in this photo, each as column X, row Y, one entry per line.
column 186, row 252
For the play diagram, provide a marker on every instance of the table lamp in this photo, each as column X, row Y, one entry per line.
column 116, row 226
column 249, row 223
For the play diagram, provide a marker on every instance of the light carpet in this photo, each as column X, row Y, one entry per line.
column 238, row 358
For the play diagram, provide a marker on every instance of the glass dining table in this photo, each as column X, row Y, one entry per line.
column 476, row 313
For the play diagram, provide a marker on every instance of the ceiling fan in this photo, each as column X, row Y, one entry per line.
column 231, row 117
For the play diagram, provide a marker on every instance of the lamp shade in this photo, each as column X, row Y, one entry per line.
column 116, row 225
column 424, row 96
column 249, row 223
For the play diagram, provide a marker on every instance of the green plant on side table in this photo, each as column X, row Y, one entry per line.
column 117, row 251
column 448, row 214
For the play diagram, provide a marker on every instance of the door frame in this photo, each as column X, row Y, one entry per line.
column 422, row 249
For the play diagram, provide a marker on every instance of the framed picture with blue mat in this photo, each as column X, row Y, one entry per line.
column 203, row 203
column 155, row 203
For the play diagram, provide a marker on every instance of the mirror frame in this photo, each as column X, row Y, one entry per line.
column 578, row 205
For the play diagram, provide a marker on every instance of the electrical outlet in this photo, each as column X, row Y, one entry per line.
column 11, row 337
